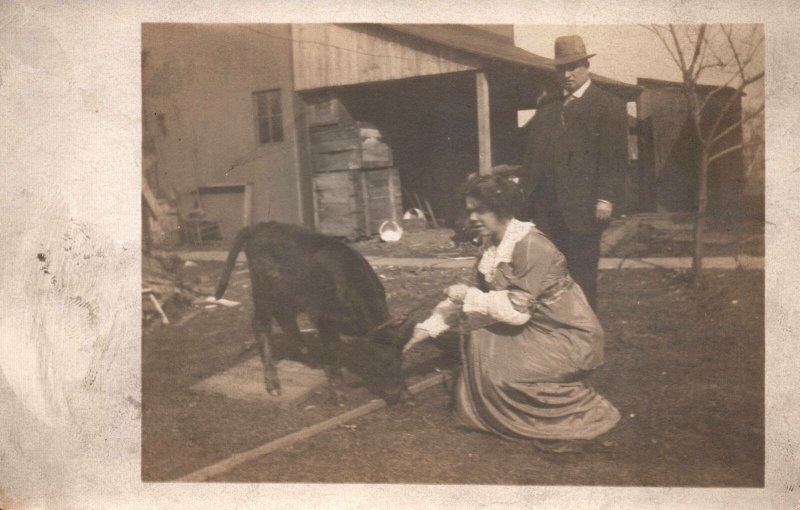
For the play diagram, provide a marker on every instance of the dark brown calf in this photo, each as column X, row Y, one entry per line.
column 293, row 270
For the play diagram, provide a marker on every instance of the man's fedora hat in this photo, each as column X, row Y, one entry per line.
column 569, row 49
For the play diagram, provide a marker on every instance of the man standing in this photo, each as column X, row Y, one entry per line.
column 575, row 163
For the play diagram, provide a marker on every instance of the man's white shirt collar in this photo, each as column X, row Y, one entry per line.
column 578, row 93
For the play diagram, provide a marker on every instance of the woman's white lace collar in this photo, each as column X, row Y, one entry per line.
column 495, row 255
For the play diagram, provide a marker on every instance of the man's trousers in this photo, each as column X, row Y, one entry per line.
column 582, row 251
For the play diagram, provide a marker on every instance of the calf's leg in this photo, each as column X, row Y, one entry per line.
column 262, row 329
column 287, row 320
column 331, row 352
column 262, row 333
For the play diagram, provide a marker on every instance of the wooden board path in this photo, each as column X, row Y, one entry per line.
column 237, row 459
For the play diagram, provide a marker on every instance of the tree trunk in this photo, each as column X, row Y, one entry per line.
column 700, row 218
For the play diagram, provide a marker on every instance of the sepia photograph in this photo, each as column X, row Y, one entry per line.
column 428, row 254
column 453, row 254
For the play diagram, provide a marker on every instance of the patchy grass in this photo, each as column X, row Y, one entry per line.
column 183, row 430
column 677, row 240
column 432, row 242
column 684, row 365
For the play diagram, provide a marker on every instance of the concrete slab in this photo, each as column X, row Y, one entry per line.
column 245, row 381
column 668, row 225
column 616, row 232
column 742, row 262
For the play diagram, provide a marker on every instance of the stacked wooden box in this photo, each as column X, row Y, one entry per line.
column 355, row 186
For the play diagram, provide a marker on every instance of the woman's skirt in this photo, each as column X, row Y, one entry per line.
column 529, row 382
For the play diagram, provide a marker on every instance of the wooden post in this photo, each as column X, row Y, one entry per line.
column 484, row 127
column 151, row 200
column 247, row 205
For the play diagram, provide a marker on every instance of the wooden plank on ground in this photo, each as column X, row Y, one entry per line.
column 238, row 459
column 152, row 202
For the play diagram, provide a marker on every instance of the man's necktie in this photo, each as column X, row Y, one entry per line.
column 567, row 100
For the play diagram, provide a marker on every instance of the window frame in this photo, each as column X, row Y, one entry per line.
column 269, row 96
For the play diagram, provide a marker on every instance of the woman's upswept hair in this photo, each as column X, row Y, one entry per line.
column 497, row 193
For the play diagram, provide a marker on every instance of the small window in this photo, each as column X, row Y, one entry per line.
column 269, row 116
column 524, row 116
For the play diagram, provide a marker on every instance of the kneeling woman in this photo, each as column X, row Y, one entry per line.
column 533, row 338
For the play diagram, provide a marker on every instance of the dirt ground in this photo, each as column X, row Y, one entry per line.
column 685, row 367
column 668, row 235
column 182, row 430
column 677, row 240
column 432, row 242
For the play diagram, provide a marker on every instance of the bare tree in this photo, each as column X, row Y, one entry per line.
column 730, row 52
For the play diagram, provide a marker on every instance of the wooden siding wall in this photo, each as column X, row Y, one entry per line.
column 199, row 113
column 328, row 55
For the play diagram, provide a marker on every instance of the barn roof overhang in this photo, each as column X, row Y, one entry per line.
column 498, row 50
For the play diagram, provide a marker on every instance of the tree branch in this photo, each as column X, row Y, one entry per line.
column 731, row 149
column 736, row 96
column 702, row 65
column 736, row 124
column 753, row 50
column 678, row 49
column 756, row 153
column 699, row 44
column 654, row 29
column 733, row 49
column 741, row 88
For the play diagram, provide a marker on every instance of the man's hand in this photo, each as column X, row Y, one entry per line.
column 603, row 211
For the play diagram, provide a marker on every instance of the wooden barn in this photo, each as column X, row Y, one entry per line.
column 333, row 126
column 669, row 150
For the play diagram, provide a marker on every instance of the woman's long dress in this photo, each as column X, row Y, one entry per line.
column 529, row 381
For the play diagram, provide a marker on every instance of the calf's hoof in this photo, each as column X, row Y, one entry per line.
column 273, row 388
column 337, row 396
column 396, row 396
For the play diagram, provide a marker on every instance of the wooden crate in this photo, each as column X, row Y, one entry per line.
column 324, row 111
column 338, row 204
column 370, row 153
column 382, row 197
column 354, row 203
column 342, row 138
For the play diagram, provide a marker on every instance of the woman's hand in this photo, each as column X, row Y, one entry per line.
column 457, row 292
column 418, row 336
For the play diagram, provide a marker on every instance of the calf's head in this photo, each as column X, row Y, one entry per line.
column 386, row 348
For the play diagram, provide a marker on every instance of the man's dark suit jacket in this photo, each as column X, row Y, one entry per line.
column 569, row 166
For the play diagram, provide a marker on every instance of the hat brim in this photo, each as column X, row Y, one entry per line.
column 568, row 60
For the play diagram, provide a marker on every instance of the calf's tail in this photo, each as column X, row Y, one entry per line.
column 233, row 254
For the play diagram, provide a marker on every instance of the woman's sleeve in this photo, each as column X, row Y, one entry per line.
column 508, row 306
column 444, row 316
column 532, row 260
